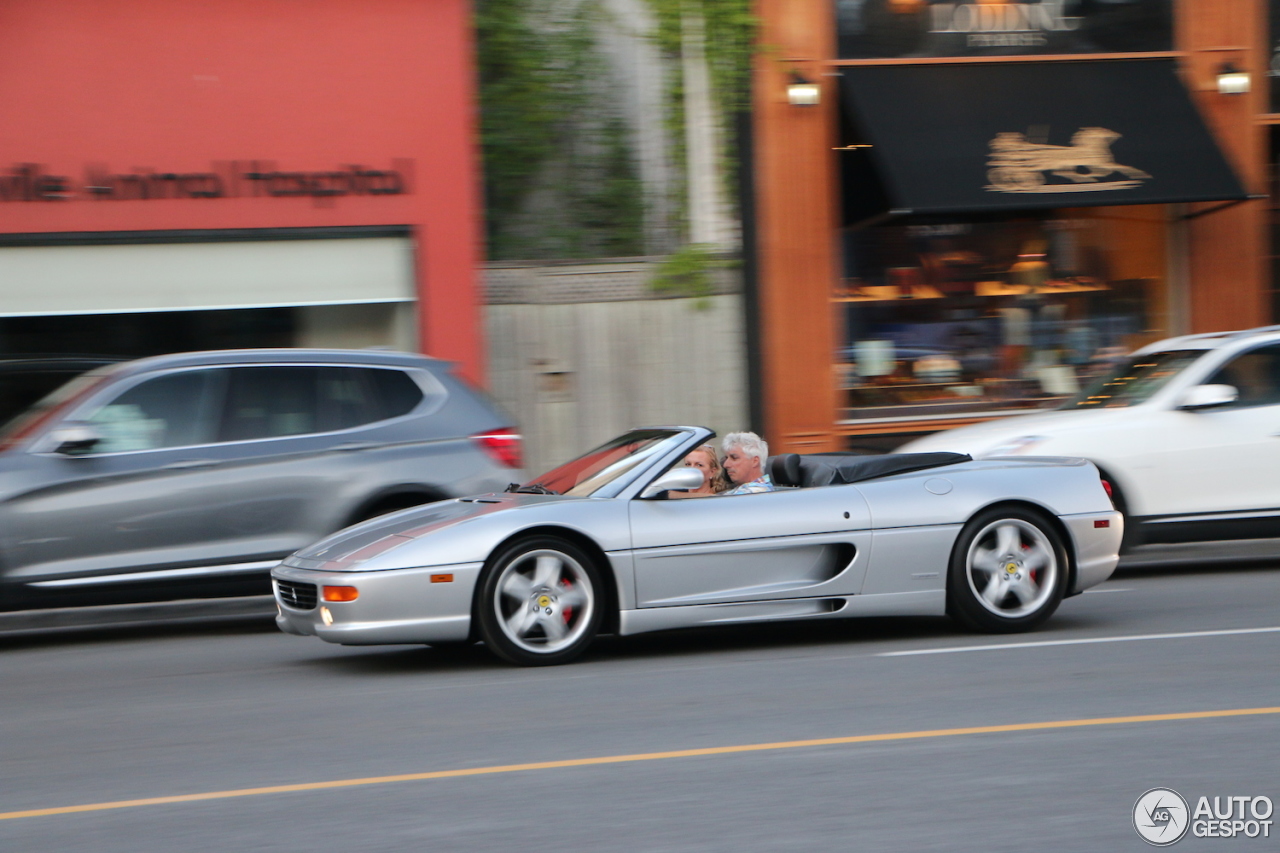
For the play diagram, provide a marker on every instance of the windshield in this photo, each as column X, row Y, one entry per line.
column 1133, row 381
column 33, row 419
column 593, row 471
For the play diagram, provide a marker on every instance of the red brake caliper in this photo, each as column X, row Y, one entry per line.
column 568, row 611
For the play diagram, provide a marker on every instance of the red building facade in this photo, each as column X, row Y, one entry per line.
column 192, row 165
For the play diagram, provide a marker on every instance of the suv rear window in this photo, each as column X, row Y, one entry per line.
column 394, row 392
column 277, row 401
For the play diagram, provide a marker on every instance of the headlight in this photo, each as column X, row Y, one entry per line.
column 1014, row 446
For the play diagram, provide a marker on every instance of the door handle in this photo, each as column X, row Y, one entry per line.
column 187, row 464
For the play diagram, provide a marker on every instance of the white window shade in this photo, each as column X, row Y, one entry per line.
column 46, row 280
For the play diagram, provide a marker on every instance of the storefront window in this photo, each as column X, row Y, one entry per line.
column 1273, row 214
column 1273, row 67
column 972, row 314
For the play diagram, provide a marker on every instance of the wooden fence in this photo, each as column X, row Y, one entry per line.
column 581, row 352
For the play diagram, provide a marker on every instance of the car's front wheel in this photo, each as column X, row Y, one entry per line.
column 1008, row 571
column 540, row 601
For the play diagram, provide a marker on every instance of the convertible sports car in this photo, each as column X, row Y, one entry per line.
column 593, row 546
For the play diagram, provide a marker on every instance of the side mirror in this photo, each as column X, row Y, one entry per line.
column 682, row 477
column 75, row 439
column 1208, row 397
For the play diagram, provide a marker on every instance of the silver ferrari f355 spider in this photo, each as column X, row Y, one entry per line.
column 594, row 546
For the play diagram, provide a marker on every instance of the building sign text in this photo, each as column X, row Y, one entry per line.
column 227, row 179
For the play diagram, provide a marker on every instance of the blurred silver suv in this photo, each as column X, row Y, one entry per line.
column 194, row 474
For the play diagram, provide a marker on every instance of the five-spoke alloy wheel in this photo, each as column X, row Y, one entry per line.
column 1008, row 571
column 540, row 601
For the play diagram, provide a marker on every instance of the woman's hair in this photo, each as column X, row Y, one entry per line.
column 719, row 481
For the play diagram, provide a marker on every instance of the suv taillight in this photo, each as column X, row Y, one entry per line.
column 502, row 444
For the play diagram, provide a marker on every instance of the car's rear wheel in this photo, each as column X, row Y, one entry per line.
column 1008, row 571
column 540, row 601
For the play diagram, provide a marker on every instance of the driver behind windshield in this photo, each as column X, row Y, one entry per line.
column 744, row 456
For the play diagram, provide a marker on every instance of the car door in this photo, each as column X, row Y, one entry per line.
column 292, row 455
column 788, row 543
column 1227, row 459
column 138, row 499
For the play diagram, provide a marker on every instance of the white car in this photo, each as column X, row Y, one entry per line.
column 1185, row 431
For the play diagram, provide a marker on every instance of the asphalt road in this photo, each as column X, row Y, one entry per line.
column 229, row 708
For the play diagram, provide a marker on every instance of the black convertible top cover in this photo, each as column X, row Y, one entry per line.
column 833, row 469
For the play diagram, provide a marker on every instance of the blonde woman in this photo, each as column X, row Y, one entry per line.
column 713, row 478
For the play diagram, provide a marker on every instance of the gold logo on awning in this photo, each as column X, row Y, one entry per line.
column 1019, row 166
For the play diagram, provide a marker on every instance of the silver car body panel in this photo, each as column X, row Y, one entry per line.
column 393, row 607
column 463, row 530
column 781, row 544
column 788, row 554
column 923, row 603
column 1095, row 556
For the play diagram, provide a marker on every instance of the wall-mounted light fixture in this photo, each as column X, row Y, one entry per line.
column 1231, row 80
column 802, row 92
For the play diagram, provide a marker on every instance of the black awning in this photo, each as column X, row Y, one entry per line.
column 1016, row 136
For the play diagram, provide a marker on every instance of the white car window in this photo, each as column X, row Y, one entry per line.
column 1134, row 380
column 1255, row 374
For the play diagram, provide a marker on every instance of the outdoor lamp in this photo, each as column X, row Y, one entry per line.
column 802, row 92
column 1231, row 80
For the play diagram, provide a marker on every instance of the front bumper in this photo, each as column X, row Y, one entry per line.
column 398, row 606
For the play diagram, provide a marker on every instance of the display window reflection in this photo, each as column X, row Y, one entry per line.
column 971, row 314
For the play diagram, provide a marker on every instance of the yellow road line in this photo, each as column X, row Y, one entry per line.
column 644, row 756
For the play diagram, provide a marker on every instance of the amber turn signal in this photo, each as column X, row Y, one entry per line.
column 341, row 593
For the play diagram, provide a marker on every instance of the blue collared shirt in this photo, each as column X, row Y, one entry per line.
column 764, row 484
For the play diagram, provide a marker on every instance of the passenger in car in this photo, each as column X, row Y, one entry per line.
column 744, row 456
column 713, row 478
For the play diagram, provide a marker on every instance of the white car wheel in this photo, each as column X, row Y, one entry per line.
column 1008, row 572
column 539, row 602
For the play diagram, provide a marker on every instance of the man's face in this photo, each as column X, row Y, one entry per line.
column 740, row 467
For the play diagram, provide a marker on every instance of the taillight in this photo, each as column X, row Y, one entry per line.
column 1111, row 493
column 502, row 444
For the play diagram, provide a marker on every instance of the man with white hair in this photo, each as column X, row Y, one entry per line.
column 744, row 457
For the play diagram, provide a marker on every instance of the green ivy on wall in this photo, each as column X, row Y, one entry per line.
column 519, row 101
column 730, row 46
column 560, row 181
